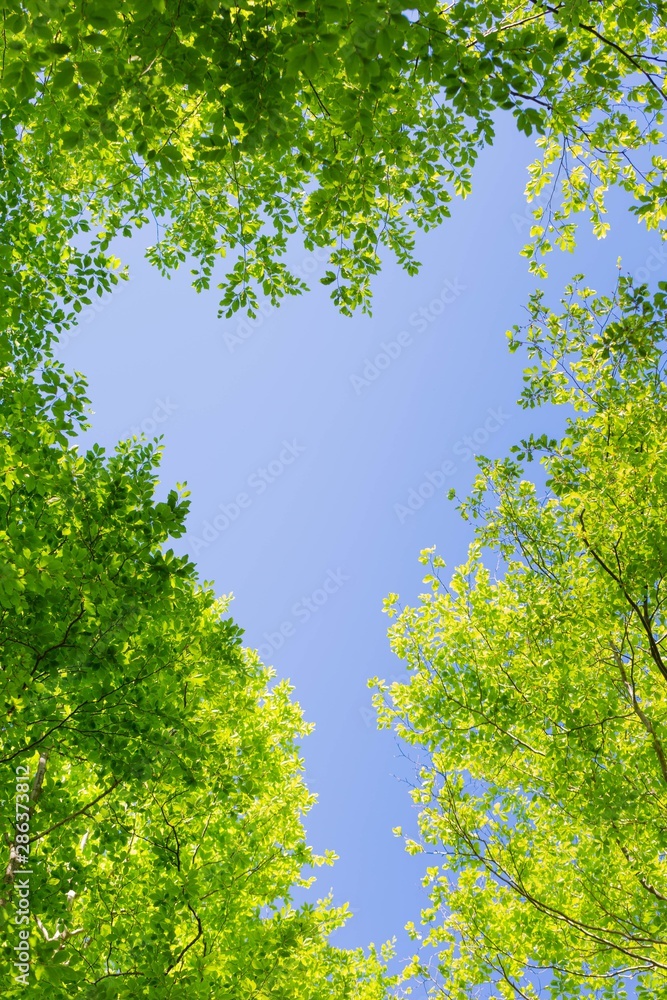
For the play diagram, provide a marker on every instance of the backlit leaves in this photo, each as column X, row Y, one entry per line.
column 538, row 690
column 226, row 120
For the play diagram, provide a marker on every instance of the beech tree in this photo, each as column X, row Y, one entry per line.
column 165, row 797
column 538, row 690
column 232, row 125
column 161, row 796
column 50, row 263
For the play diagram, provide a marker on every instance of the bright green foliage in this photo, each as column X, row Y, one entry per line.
column 166, row 840
column 538, row 690
column 233, row 125
column 46, row 278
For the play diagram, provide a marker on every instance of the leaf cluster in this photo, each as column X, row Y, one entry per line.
column 538, row 689
column 165, row 837
column 234, row 125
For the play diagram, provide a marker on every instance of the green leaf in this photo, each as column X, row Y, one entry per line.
column 89, row 72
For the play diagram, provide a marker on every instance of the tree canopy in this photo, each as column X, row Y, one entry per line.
column 538, row 689
column 232, row 125
column 161, row 790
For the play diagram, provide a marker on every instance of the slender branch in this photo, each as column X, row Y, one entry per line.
column 39, row 781
column 59, row 935
column 641, row 715
column 200, row 931
column 89, row 805
column 645, row 621
column 509, row 981
column 626, row 55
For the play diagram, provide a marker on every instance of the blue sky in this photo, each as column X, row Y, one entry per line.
column 318, row 450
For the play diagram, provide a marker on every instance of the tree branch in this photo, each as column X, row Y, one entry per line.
column 200, row 931
column 45, row 833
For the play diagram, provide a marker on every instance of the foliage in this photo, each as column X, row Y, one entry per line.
column 165, row 799
column 538, row 689
column 233, row 125
column 46, row 277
